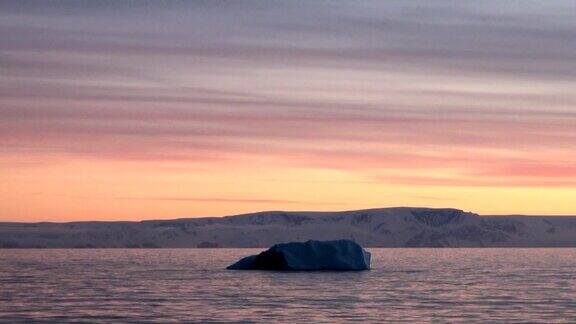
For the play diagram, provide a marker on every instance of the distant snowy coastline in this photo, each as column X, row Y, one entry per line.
column 387, row 227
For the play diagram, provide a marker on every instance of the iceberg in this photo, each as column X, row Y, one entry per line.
column 338, row 255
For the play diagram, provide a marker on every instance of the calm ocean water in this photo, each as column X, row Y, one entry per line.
column 173, row 285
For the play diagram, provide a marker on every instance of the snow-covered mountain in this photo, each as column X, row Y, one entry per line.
column 388, row 227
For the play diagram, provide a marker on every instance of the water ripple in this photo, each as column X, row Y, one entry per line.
column 191, row 285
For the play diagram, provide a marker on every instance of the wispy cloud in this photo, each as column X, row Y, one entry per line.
column 215, row 200
column 468, row 94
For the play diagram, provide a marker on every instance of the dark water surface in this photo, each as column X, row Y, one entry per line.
column 172, row 285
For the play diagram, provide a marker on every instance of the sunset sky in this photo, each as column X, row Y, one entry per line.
column 130, row 110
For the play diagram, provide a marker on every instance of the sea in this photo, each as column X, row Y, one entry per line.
column 192, row 285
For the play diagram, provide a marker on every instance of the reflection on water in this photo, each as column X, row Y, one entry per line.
column 473, row 285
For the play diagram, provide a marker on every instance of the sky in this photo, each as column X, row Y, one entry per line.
column 130, row 110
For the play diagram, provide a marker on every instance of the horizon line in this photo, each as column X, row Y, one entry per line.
column 288, row 211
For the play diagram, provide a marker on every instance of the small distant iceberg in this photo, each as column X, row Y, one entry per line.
column 339, row 255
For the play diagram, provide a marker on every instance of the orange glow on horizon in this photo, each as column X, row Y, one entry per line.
column 104, row 190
